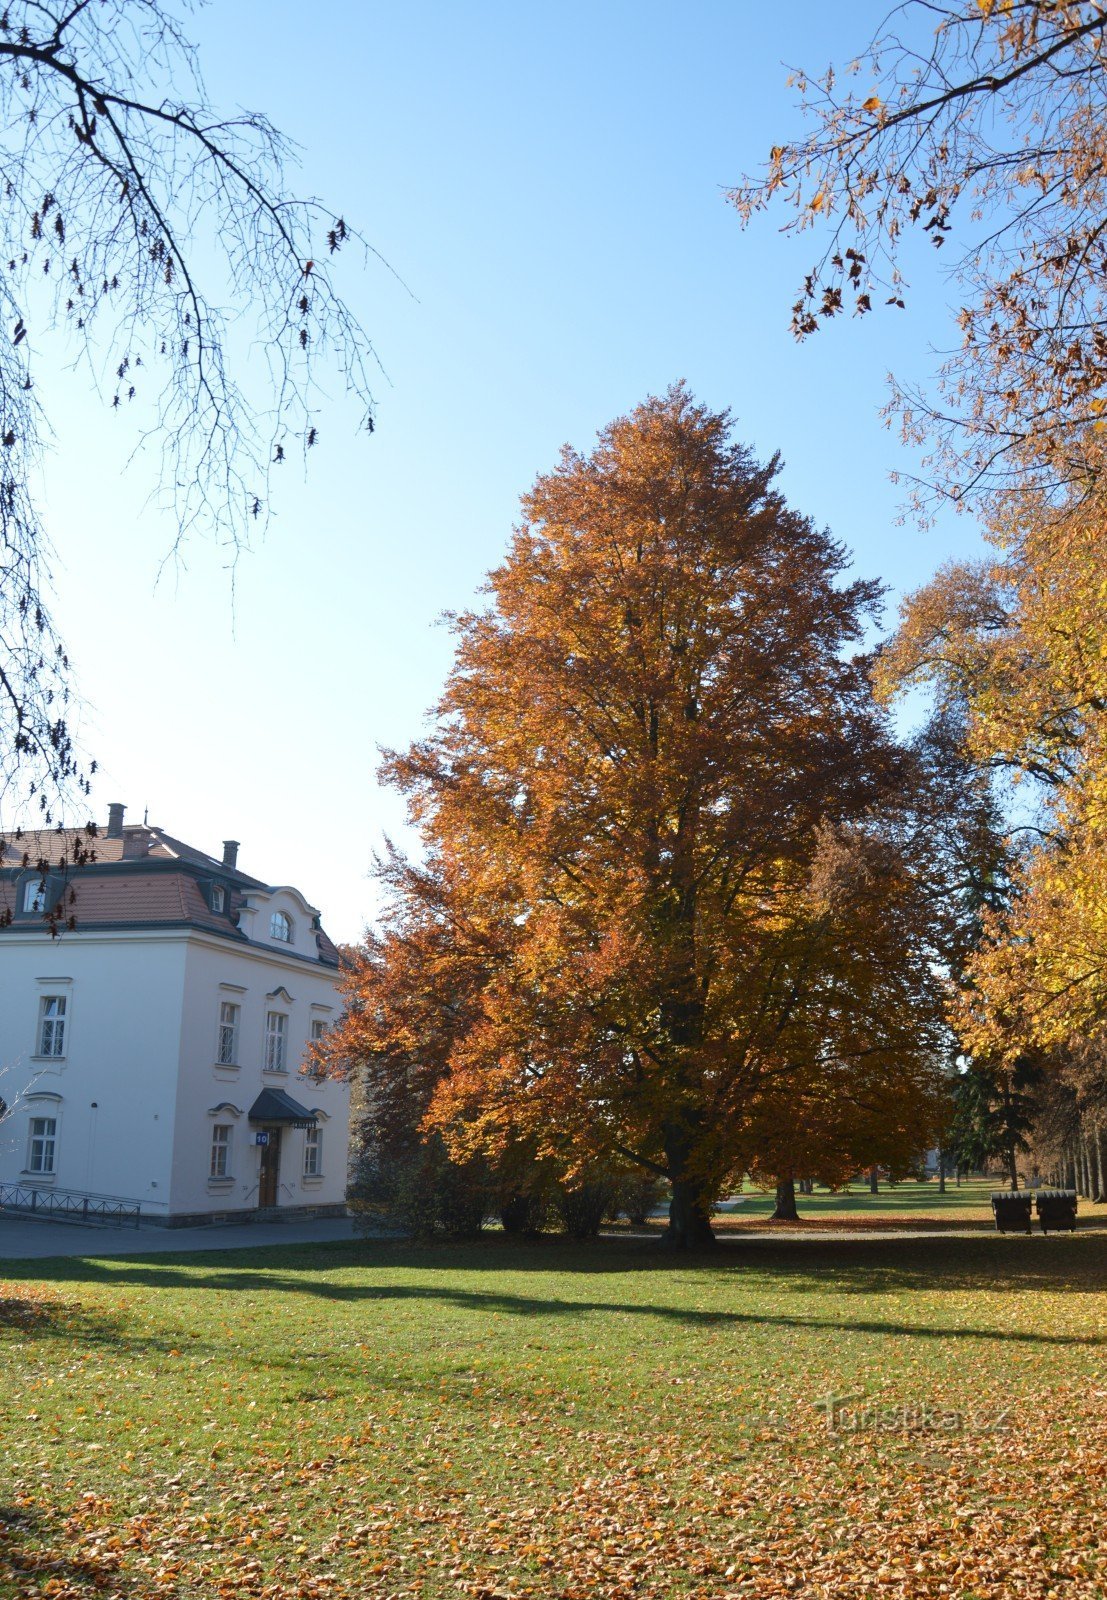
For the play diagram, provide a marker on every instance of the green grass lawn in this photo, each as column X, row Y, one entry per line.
column 559, row 1420
column 899, row 1205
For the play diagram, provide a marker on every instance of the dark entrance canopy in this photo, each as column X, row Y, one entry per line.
column 273, row 1105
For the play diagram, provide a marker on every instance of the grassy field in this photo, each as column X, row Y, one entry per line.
column 559, row 1420
column 903, row 1205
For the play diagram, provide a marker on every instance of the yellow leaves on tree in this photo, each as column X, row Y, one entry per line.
column 1021, row 642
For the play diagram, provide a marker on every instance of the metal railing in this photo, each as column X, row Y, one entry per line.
column 69, row 1205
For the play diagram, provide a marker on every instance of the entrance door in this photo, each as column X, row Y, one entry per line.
column 270, row 1167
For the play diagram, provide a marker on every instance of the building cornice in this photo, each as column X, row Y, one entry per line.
column 169, row 933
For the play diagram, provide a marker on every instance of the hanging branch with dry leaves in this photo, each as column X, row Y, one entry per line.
column 980, row 125
column 139, row 226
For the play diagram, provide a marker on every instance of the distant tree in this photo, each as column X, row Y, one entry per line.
column 995, row 1112
column 137, row 227
column 976, row 124
column 655, row 875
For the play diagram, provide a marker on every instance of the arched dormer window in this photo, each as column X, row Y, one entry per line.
column 280, row 927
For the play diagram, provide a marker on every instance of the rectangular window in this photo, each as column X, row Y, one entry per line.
column 227, row 1053
column 43, row 1145
column 221, row 1150
column 51, row 1033
column 217, row 898
column 313, row 1152
column 34, row 895
column 318, row 1029
column 276, row 1025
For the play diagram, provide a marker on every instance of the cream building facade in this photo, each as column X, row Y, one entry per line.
column 151, row 1053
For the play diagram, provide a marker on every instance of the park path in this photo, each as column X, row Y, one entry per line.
column 24, row 1239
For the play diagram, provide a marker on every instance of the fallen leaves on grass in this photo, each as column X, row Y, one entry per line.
column 25, row 1305
column 799, row 1512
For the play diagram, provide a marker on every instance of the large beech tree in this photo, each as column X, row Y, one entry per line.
column 657, row 888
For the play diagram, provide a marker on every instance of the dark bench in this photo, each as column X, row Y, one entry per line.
column 1011, row 1211
column 1056, row 1209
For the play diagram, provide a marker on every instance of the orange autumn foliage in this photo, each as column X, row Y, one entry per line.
column 661, row 883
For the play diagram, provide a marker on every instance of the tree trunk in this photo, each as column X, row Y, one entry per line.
column 785, row 1202
column 1012, row 1166
column 874, row 1181
column 941, row 1172
column 689, row 1217
column 1100, row 1185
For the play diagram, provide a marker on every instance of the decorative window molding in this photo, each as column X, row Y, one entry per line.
column 234, row 988
column 281, row 993
column 224, row 1109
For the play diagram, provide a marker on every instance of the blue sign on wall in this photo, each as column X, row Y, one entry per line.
column 261, row 1138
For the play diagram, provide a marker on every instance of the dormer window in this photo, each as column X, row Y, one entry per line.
column 218, row 898
column 280, row 927
column 34, row 895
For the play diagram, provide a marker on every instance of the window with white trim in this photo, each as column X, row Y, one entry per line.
column 42, row 1145
column 276, row 1035
column 51, row 1025
column 217, row 898
column 226, row 1054
column 318, row 1029
column 280, row 927
column 34, row 895
column 313, row 1153
column 221, row 1150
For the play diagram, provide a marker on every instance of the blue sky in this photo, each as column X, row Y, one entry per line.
column 548, row 181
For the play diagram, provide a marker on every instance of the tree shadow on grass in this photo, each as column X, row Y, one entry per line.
column 869, row 1277
column 1054, row 1264
column 34, row 1553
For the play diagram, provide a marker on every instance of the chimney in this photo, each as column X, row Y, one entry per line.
column 115, row 821
column 230, row 853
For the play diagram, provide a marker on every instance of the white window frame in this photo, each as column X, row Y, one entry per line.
column 222, row 1143
column 218, row 898
column 313, row 1152
column 226, row 1038
column 53, row 1026
column 276, row 1042
column 47, row 1141
column 318, row 1029
column 34, row 896
column 280, row 927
